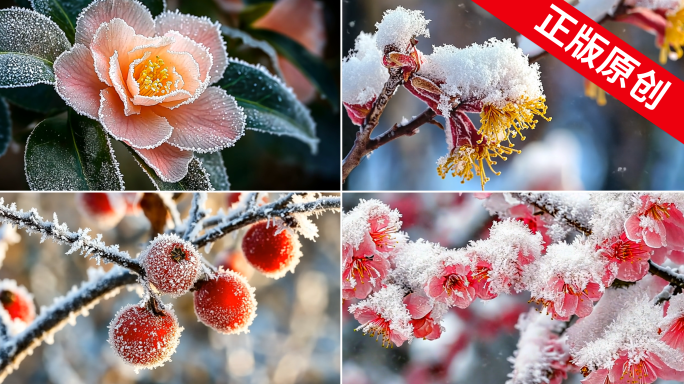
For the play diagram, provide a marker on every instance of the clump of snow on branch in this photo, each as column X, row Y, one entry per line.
column 363, row 75
column 356, row 223
column 541, row 356
column 398, row 27
column 496, row 72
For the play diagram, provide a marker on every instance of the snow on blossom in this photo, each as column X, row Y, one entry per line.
column 609, row 213
column 495, row 73
column 147, row 81
column 363, row 75
column 672, row 325
column 567, row 279
column 384, row 316
column 398, row 27
column 364, row 269
column 630, row 348
column 371, row 217
column 630, row 258
column 541, row 356
column 658, row 222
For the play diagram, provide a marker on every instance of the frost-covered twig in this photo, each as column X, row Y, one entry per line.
column 268, row 211
column 363, row 137
column 63, row 311
column 543, row 203
column 667, row 274
column 34, row 223
column 197, row 213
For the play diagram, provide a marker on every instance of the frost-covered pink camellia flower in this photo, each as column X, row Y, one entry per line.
column 656, row 223
column 424, row 326
column 147, row 82
column 364, row 269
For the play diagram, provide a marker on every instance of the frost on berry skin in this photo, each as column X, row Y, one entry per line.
column 18, row 310
column 225, row 302
column 363, row 76
column 143, row 339
column 541, row 356
column 398, row 27
column 272, row 248
column 171, row 264
column 104, row 209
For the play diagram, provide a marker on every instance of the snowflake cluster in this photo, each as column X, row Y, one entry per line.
column 602, row 258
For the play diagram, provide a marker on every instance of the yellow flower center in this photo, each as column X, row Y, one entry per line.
column 674, row 36
column 593, row 91
column 469, row 161
column 503, row 124
column 152, row 76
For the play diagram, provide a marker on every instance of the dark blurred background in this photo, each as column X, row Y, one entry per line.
column 295, row 337
column 585, row 146
column 258, row 161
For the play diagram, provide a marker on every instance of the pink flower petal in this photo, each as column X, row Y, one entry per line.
column 145, row 130
column 115, row 36
column 633, row 229
column 418, row 306
column 198, row 52
column 169, row 162
column 632, row 271
column 98, row 12
column 362, row 289
column 653, row 239
column 584, row 306
column 209, row 124
column 116, row 79
column 365, row 315
column 435, row 287
column 568, row 306
column 76, row 81
column 676, row 256
column 308, row 29
column 596, row 377
column 201, row 30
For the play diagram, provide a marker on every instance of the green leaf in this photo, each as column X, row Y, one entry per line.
column 197, row 179
column 213, row 163
column 311, row 66
column 29, row 44
column 6, row 128
column 252, row 13
column 65, row 12
column 249, row 41
column 41, row 98
column 269, row 105
column 156, row 7
column 71, row 152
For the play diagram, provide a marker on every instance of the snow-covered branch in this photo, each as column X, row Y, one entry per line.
column 548, row 205
column 32, row 222
column 64, row 310
column 281, row 208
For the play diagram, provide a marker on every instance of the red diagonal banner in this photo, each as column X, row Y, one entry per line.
column 598, row 55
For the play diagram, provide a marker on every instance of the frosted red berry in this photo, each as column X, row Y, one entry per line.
column 272, row 248
column 104, row 209
column 142, row 338
column 225, row 302
column 17, row 302
column 171, row 264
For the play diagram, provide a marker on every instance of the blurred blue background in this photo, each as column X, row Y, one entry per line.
column 585, row 146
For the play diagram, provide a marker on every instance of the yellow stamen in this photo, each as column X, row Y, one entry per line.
column 151, row 78
column 469, row 158
column 674, row 36
column 592, row 91
column 502, row 124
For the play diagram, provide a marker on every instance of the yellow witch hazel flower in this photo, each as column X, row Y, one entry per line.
column 663, row 18
column 497, row 81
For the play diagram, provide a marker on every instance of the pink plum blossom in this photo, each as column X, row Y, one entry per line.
column 657, row 224
column 379, row 327
column 625, row 371
column 364, row 269
column 424, row 325
column 458, row 285
column 565, row 300
column 147, row 81
column 630, row 257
